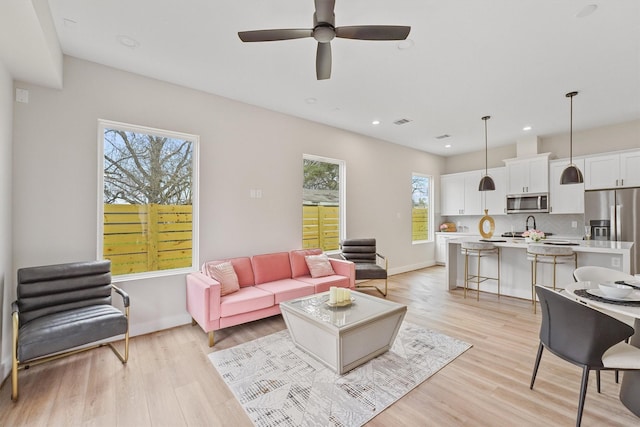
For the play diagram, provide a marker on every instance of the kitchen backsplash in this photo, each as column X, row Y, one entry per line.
column 560, row 225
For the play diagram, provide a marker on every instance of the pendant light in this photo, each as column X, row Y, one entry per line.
column 486, row 183
column 571, row 174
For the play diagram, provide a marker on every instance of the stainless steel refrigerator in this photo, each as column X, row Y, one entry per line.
column 615, row 215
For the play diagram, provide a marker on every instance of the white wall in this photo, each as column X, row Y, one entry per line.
column 7, row 293
column 242, row 147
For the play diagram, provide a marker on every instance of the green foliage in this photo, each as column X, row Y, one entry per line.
column 321, row 175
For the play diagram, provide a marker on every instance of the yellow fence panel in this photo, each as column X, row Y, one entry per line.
column 420, row 224
column 140, row 238
column 321, row 227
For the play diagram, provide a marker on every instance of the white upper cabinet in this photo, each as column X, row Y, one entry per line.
column 459, row 194
column 528, row 175
column 496, row 201
column 567, row 198
column 615, row 170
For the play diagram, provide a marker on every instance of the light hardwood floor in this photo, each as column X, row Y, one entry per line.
column 170, row 382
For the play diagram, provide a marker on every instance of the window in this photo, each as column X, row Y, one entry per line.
column 420, row 202
column 147, row 199
column 323, row 202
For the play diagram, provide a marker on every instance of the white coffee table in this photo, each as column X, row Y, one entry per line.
column 343, row 337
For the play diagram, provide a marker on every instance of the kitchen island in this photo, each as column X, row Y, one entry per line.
column 515, row 269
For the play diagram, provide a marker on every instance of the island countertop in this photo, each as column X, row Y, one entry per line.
column 515, row 269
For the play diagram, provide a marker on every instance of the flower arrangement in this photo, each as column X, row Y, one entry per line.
column 533, row 235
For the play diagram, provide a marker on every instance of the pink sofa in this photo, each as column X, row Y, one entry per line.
column 265, row 281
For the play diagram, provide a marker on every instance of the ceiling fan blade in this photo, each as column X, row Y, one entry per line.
column 323, row 61
column 274, row 35
column 373, row 32
column 324, row 11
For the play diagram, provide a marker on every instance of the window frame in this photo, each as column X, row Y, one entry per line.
column 430, row 217
column 195, row 159
column 342, row 189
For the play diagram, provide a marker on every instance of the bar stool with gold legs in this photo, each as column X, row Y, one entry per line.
column 478, row 250
column 543, row 254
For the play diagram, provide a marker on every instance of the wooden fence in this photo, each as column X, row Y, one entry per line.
column 321, row 226
column 420, row 224
column 139, row 238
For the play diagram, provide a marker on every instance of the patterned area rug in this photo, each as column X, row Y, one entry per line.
column 278, row 384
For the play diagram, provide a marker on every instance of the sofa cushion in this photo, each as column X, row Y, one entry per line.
column 322, row 284
column 287, row 289
column 226, row 275
column 242, row 267
column 298, row 263
column 319, row 265
column 249, row 298
column 271, row 267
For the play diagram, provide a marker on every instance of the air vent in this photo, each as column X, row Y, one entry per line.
column 401, row 122
column 444, row 136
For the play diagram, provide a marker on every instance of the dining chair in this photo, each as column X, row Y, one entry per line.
column 584, row 337
column 595, row 274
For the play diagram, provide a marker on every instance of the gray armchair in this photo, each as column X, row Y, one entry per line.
column 362, row 252
column 62, row 307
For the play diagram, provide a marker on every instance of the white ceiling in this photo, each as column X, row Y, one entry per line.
column 513, row 60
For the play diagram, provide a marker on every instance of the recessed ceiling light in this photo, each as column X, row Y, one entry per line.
column 526, row 128
column 405, row 44
column 127, row 41
column 447, row 146
column 586, row 11
column 311, row 100
column 375, row 122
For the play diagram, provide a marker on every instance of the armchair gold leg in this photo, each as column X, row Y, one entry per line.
column 14, row 361
column 211, row 340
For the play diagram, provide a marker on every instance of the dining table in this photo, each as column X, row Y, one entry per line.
column 587, row 293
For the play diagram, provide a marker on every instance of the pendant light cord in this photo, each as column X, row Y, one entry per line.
column 486, row 155
column 570, row 95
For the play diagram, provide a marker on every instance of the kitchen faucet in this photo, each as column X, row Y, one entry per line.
column 526, row 226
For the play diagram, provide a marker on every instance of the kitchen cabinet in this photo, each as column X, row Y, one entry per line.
column 496, row 201
column 442, row 240
column 528, row 175
column 567, row 198
column 459, row 194
column 615, row 170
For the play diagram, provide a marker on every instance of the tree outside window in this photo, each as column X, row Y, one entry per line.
column 420, row 215
column 148, row 191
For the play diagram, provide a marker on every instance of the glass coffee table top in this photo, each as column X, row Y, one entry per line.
column 363, row 307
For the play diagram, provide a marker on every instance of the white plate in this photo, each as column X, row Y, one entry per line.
column 560, row 242
column 634, row 296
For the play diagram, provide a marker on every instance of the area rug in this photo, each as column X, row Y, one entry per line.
column 278, row 384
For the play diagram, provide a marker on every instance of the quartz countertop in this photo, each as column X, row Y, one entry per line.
column 578, row 244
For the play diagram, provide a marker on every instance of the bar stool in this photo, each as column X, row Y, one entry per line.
column 479, row 250
column 543, row 254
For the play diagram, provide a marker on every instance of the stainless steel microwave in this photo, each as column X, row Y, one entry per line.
column 528, row 203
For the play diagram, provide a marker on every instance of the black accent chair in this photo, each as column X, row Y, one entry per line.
column 62, row 307
column 362, row 252
column 584, row 337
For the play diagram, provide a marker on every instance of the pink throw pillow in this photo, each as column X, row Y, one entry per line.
column 319, row 265
column 226, row 275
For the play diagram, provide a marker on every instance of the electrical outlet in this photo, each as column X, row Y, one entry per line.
column 574, row 224
column 615, row 262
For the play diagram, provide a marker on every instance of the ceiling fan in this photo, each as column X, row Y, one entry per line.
column 324, row 30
